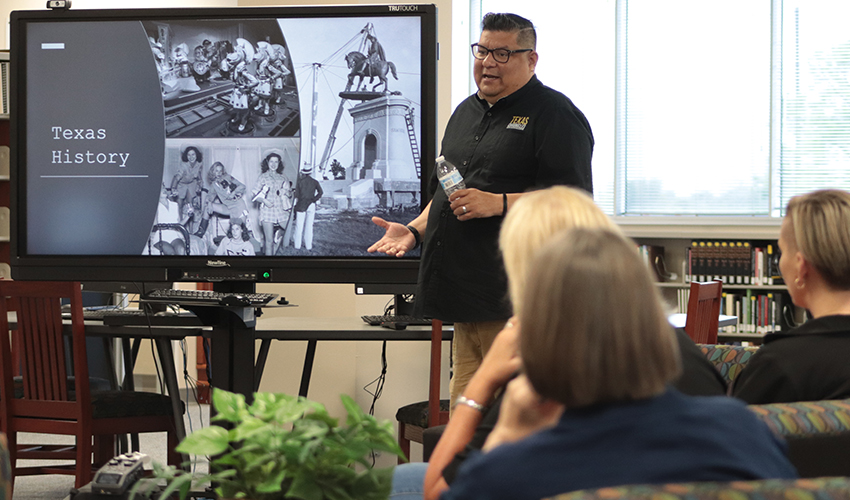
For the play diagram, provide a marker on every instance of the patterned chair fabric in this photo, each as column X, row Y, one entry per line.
column 728, row 359
column 800, row 419
column 824, row 488
column 817, row 433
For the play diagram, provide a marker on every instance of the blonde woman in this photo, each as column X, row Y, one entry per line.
column 531, row 222
column 809, row 363
column 590, row 410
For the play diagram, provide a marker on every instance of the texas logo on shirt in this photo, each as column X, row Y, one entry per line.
column 518, row 123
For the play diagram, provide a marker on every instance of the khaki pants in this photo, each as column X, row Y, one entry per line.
column 471, row 342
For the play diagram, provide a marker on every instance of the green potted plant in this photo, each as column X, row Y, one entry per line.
column 283, row 446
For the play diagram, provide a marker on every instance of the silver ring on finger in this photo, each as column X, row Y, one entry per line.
column 464, row 208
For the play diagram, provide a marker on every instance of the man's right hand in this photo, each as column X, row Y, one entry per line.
column 397, row 240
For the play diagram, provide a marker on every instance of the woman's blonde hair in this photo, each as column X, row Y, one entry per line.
column 820, row 222
column 533, row 219
column 593, row 327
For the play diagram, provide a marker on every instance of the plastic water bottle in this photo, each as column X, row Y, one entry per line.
column 448, row 176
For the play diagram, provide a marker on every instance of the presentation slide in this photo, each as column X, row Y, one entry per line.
column 220, row 137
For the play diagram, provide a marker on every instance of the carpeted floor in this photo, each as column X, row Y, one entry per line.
column 57, row 487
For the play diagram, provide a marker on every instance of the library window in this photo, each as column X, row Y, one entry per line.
column 722, row 108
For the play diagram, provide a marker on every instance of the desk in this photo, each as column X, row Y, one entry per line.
column 315, row 329
column 235, row 329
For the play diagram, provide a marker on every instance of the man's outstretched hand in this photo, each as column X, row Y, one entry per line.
column 397, row 239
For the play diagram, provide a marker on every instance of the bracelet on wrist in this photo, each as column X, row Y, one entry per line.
column 416, row 235
column 463, row 400
column 504, row 204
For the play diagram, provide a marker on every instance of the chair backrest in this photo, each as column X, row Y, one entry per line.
column 823, row 488
column 729, row 360
column 42, row 350
column 817, row 433
column 703, row 316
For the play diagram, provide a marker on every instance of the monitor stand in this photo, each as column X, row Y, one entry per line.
column 232, row 339
column 403, row 304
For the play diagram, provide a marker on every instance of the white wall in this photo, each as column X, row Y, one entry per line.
column 340, row 367
column 8, row 6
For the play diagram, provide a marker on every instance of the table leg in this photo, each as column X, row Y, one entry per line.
column 166, row 357
column 308, row 368
column 261, row 362
column 129, row 354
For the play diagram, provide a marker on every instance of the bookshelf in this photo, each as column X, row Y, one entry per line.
column 768, row 305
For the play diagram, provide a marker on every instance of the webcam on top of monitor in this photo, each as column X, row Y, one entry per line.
column 59, row 4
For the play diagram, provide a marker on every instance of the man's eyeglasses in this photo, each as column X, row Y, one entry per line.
column 499, row 55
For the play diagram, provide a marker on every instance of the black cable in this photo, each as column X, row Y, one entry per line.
column 379, row 381
column 208, row 360
column 379, row 389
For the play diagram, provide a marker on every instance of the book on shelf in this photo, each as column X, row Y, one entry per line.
column 757, row 312
column 733, row 262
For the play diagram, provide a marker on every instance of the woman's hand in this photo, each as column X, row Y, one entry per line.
column 523, row 413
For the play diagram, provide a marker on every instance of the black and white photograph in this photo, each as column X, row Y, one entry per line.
column 211, row 188
column 224, row 79
column 312, row 193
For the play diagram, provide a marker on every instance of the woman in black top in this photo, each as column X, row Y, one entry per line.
column 809, row 363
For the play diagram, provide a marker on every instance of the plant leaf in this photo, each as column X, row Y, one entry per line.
column 273, row 483
column 355, row 413
column 248, row 427
column 230, row 406
column 210, row 440
column 373, row 484
column 304, row 488
column 178, row 484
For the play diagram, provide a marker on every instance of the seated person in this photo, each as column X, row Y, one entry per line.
column 592, row 407
column 237, row 242
column 808, row 363
column 532, row 221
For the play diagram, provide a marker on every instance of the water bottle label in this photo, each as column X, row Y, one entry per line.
column 451, row 180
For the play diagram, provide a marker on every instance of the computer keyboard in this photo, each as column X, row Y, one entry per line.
column 210, row 297
column 390, row 318
column 99, row 314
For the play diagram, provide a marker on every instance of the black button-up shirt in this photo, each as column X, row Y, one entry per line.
column 533, row 138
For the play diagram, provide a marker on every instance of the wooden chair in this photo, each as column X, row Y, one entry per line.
column 48, row 400
column 703, row 316
column 414, row 418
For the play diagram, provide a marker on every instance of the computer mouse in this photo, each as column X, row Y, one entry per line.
column 394, row 325
column 235, row 300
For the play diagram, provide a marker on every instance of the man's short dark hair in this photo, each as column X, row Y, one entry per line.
column 512, row 23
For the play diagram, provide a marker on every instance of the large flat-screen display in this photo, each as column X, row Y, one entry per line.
column 219, row 144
